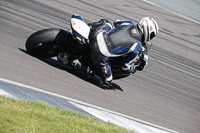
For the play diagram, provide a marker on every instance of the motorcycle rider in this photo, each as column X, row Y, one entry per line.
column 125, row 39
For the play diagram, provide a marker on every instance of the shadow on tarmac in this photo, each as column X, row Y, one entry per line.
column 76, row 73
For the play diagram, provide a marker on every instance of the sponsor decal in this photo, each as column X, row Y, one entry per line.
column 106, row 69
column 100, row 30
column 73, row 23
column 133, row 31
column 76, row 14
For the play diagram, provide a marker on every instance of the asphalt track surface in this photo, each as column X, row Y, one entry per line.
column 187, row 8
column 166, row 93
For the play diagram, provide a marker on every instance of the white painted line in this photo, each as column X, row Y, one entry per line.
column 3, row 93
column 88, row 105
column 120, row 121
column 172, row 11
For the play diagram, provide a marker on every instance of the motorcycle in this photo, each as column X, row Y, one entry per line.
column 70, row 45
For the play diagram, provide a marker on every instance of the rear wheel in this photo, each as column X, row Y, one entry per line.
column 48, row 42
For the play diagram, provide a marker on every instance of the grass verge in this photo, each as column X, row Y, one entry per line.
column 24, row 116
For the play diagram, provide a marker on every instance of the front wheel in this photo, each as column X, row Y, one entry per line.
column 120, row 76
column 47, row 42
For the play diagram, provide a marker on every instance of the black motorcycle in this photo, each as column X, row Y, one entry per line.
column 70, row 45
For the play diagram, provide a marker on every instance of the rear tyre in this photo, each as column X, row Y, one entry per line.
column 47, row 42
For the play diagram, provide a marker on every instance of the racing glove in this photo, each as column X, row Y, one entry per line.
column 128, row 67
column 144, row 62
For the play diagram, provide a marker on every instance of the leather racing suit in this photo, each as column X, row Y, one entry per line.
column 106, row 43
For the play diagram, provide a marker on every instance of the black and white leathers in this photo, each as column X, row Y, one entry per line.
column 106, row 43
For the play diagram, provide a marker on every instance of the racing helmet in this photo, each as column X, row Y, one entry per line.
column 149, row 28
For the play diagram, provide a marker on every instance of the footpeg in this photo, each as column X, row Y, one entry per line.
column 76, row 64
column 89, row 72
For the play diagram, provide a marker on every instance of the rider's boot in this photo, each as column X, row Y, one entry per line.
column 106, row 84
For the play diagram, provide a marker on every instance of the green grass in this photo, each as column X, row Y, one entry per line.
column 19, row 116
